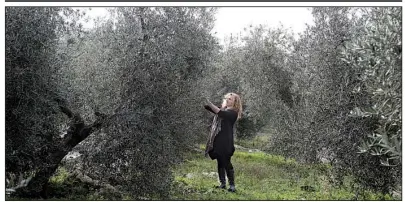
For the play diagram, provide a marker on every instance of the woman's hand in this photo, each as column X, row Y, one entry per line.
column 223, row 106
column 214, row 108
column 207, row 101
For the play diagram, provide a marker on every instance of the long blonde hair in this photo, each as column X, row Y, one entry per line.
column 237, row 103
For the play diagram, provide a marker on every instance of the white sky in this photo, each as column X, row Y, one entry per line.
column 232, row 20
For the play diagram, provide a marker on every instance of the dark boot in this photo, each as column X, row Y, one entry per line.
column 221, row 174
column 231, row 178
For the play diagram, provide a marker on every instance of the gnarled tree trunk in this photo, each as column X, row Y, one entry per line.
column 77, row 132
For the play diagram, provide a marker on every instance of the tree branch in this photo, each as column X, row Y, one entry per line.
column 63, row 107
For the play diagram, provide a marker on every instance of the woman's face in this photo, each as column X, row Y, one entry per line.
column 229, row 100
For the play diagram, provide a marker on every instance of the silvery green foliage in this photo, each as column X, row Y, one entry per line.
column 377, row 53
column 146, row 71
column 318, row 83
column 337, row 89
column 368, row 168
column 323, row 119
column 31, row 85
column 143, row 72
column 253, row 65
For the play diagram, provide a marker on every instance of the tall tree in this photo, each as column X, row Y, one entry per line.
column 33, row 99
column 160, row 54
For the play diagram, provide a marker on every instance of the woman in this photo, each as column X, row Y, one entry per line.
column 220, row 143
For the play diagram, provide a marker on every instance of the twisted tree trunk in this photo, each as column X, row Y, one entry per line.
column 77, row 132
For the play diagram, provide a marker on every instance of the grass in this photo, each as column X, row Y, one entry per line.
column 64, row 186
column 259, row 176
column 259, row 142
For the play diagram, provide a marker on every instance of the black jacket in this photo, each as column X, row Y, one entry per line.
column 224, row 140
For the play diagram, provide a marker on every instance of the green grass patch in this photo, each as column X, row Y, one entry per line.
column 256, row 142
column 258, row 176
column 64, row 186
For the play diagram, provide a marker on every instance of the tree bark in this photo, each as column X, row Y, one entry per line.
column 77, row 132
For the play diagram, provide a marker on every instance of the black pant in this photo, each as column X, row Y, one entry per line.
column 225, row 165
column 224, row 162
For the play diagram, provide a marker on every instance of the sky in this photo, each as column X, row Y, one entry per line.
column 232, row 20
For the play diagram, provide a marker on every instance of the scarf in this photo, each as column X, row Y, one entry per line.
column 215, row 128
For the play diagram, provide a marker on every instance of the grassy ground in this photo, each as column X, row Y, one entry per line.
column 258, row 142
column 64, row 186
column 259, row 176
